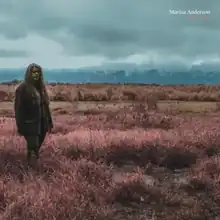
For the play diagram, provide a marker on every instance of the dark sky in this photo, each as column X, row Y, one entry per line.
column 72, row 33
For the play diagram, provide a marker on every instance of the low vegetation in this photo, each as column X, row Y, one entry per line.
column 128, row 162
column 100, row 92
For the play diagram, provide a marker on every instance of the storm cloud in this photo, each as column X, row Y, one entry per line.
column 116, row 29
column 13, row 53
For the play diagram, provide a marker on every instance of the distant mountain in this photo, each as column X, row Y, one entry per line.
column 126, row 73
column 174, row 66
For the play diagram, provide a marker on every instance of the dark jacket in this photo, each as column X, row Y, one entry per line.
column 32, row 113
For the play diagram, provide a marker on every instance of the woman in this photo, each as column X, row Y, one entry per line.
column 32, row 113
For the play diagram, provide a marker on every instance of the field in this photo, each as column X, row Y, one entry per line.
column 152, row 155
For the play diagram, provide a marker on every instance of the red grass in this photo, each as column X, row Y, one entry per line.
column 124, row 165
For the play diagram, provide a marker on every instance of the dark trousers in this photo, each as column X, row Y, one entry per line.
column 34, row 143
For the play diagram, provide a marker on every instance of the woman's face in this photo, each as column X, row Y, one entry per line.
column 36, row 73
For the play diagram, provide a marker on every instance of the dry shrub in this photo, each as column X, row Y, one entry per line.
column 134, row 190
column 217, row 106
column 93, row 92
column 177, row 158
column 130, row 95
column 80, row 95
column 59, row 200
column 59, row 128
column 212, row 151
column 139, row 108
column 60, row 93
column 73, row 178
column 61, row 111
column 179, row 95
column 7, row 112
column 3, row 96
column 93, row 96
column 209, row 166
column 202, row 96
column 199, row 182
column 11, row 96
column 50, row 92
column 151, row 101
column 110, row 93
column 61, row 96
column 76, row 95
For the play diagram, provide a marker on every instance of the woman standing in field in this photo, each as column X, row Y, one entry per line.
column 32, row 113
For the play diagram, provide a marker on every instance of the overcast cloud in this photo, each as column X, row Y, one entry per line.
column 80, row 33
